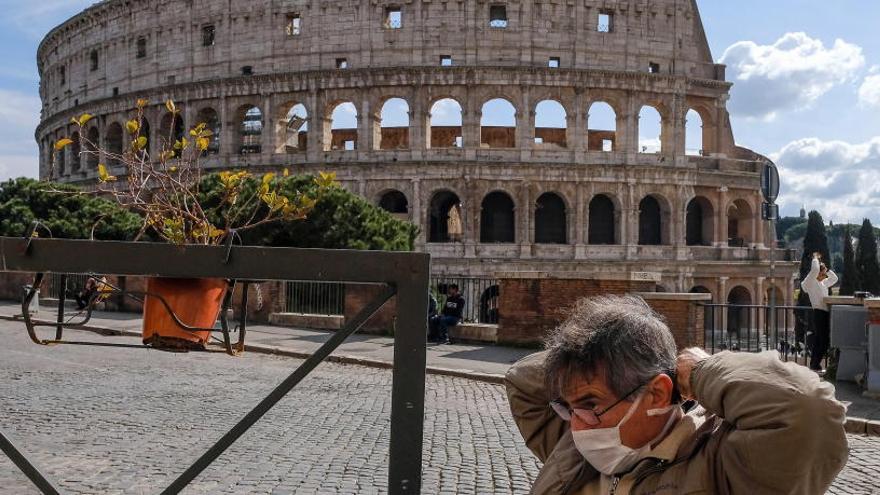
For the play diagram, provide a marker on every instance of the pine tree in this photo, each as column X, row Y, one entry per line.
column 849, row 281
column 866, row 263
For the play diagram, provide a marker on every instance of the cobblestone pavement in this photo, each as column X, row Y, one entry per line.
column 114, row 420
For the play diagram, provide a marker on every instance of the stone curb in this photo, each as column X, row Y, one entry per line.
column 855, row 426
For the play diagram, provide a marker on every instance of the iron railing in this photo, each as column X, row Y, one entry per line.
column 71, row 284
column 402, row 275
column 481, row 296
column 314, row 298
column 757, row 328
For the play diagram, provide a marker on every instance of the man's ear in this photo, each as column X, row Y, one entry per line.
column 660, row 391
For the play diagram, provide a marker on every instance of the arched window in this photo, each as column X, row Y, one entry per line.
column 740, row 224
column 698, row 222
column 739, row 315
column 75, row 150
column 114, row 143
column 250, row 131
column 291, row 129
column 394, row 202
column 650, row 130
column 445, row 124
column 489, row 303
column 550, row 220
column 498, row 124
column 444, row 218
column 602, row 221
column 601, row 127
column 497, row 219
column 694, row 144
column 650, row 222
column 343, row 132
column 209, row 117
column 61, row 160
column 92, row 155
column 170, row 131
column 394, row 125
column 550, row 124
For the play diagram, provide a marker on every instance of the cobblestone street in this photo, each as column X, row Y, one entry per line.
column 127, row 420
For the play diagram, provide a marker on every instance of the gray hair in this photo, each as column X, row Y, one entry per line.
column 622, row 334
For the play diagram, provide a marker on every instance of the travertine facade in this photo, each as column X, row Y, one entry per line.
column 568, row 199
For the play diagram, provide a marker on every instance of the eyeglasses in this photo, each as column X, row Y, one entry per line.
column 590, row 417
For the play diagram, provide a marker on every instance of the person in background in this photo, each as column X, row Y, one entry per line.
column 816, row 284
column 450, row 315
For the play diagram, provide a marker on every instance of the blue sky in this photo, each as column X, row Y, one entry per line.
column 807, row 75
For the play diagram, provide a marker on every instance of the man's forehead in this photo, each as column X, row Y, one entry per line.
column 583, row 382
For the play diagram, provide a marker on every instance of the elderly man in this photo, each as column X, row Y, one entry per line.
column 601, row 409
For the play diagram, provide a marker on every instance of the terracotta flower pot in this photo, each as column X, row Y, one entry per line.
column 195, row 301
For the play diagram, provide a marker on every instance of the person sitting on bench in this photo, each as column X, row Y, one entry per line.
column 450, row 315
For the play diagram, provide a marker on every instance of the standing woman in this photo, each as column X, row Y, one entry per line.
column 816, row 285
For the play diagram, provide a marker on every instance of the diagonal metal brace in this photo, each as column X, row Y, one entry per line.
column 31, row 471
column 278, row 393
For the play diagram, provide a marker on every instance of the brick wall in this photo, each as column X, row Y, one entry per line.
column 683, row 314
column 359, row 295
column 530, row 307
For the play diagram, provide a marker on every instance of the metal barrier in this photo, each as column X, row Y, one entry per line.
column 404, row 275
column 753, row 328
column 481, row 296
column 314, row 298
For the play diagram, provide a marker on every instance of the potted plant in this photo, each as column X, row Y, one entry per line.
column 165, row 189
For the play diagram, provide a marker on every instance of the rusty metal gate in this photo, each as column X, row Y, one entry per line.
column 403, row 275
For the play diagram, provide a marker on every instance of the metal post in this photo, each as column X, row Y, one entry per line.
column 774, row 325
column 62, row 294
column 31, row 471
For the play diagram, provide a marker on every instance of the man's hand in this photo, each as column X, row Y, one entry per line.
column 685, row 364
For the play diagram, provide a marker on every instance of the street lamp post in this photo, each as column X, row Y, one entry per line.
column 770, row 212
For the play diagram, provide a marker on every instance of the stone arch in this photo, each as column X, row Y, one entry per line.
column 654, row 225
column 699, row 222
column 497, row 218
column 92, row 145
column 114, row 139
column 551, row 124
column 341, row 128
column 211, row 119
column 394, row 202
column 489, row 305
column 445, row 217
column 249, row 121
column 603, row 219
column 171, row 130
column 498, row 124
column 700, row 289
column 650, row 130
column 75, row 150
column 601, row 127
column 392, row 127
column 704, row 134
column 445, row 124
column 740, row 223
column 738, row 314
column 292, row 128
column 551, row 219
column 695, row 142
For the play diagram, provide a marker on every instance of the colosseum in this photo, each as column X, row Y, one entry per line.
column 576, row 137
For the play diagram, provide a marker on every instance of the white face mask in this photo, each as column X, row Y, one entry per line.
column 604, row 450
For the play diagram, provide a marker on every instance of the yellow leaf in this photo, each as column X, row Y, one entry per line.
column 182, row 144
column 203, row 143
column 171, row 106
column 140, row 143
column 83, row 119
column 103, row 176
column 62, row 143
column 286, row 172
column 142, row 102
column 267, row 178
column 172, row 169
column 166, row 155
column 133, row 126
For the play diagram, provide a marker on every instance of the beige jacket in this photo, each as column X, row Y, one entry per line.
column 764, row 426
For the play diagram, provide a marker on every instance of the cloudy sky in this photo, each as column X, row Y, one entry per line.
column 807, row 93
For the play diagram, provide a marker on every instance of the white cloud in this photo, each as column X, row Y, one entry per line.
column 19, row 117
column 446, row 112
column 841, row 180
column 790, row 74
column 869, row 92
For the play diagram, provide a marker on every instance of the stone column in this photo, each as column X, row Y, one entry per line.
column 581, row 224
column 722, row 299
column 418, row 123
column 267, row 138
column 415, row 213
column 471, row 218
column 525, row 210
column 314, row 139
column 226, row 129
column 366, row 139
column 721, row 218
column 759, row 301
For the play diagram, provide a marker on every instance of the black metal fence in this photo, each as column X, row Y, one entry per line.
column 481, row 296
column 71, row 284
column 315, row 298
column 756, row 328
